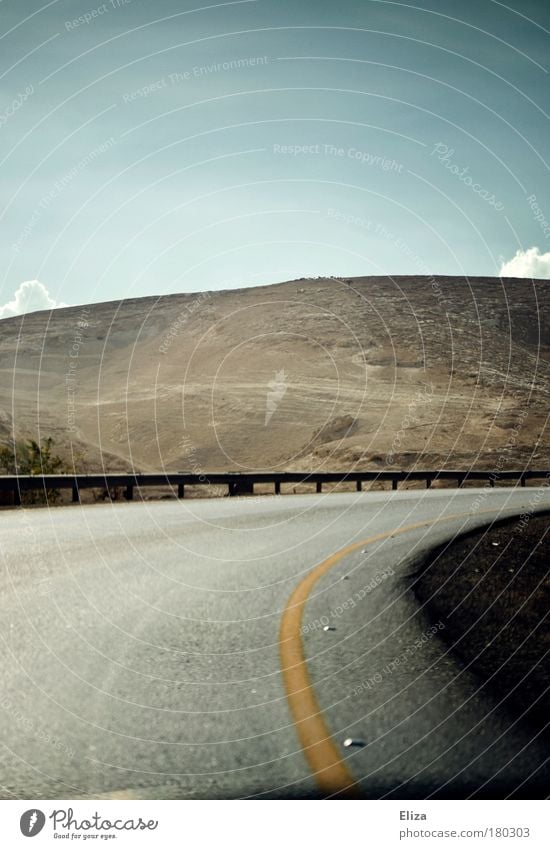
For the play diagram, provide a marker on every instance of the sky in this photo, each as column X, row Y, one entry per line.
column 150, row 147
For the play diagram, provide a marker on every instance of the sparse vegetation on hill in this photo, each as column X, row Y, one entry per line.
column 30, row 458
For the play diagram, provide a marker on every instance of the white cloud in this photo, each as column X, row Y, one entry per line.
column 31, row 296
column 529, row 263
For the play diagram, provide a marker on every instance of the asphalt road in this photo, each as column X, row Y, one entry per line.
column 178, row 650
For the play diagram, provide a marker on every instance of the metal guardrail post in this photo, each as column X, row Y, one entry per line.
column 181, row 490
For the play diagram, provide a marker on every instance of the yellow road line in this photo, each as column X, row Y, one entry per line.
column 322, row 755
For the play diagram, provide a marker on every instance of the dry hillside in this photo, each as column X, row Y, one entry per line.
column 368, row 372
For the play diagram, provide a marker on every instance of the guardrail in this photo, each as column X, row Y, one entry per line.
column 243, row 483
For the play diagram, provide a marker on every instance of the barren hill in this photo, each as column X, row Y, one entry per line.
column 368, row 372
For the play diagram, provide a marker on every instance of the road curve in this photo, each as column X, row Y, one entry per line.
column 228, row 647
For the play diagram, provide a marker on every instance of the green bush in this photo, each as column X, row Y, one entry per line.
column 30, row 458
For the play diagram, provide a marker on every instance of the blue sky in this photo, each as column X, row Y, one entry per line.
column 149, row 148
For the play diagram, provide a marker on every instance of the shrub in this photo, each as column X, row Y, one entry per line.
column 30, row 458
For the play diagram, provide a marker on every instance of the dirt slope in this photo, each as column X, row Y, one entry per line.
column 325, row 373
